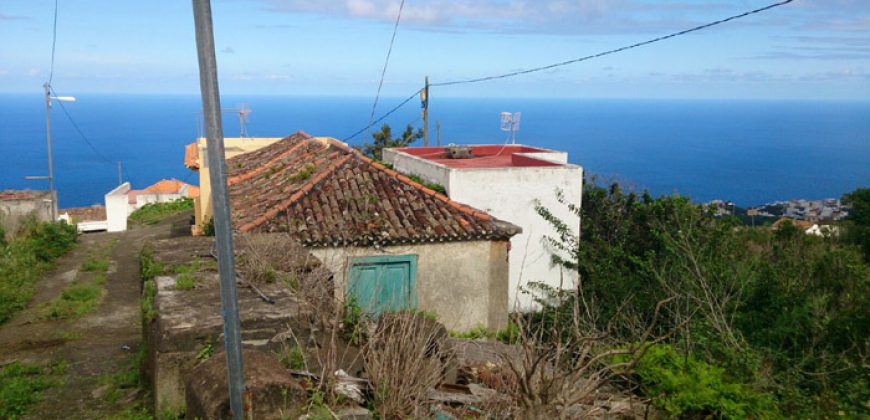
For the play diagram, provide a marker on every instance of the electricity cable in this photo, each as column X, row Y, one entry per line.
column 575, row 60
column 80, row 132
column 615, row 50
column 53, row 44
column 386, row 61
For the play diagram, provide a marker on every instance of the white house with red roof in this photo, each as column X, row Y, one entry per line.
column 507, row 181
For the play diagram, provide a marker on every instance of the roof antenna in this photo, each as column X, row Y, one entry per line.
column 243, row 112
column 511, row 122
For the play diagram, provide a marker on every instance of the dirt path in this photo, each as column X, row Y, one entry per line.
column 95, row 346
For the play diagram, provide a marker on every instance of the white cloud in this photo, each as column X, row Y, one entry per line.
column 228, row 50
column 34, row 72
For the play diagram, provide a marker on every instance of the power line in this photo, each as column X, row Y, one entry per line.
column 576, row 60
column 81, row 133
column 387, row 61
column 613, row 51
column 387, row 114
column 53, row 43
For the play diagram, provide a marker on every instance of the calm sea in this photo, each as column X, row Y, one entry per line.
column 750, row 152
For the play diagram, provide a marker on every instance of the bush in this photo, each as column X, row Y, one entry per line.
column 683, row 386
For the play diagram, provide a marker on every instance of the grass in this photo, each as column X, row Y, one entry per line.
column 76, row 300
column 303, row 173
column 99, row 264
column 83, row 296
column 153, row 213
column 24, row 259
column 22, row 385
column 185, row 281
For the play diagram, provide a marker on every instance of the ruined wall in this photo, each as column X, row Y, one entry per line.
column 19, row 204
column 465, row 283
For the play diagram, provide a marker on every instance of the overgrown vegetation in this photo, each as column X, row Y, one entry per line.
column 148, row 269
column 22, row 385
column 760, row 314
column 384, row 140
column 153, row 213
column 25, row 257
column 430, row 185
column 83, row 295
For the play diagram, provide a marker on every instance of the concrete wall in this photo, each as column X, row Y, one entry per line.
column 510, row 193
column 465, row 283
column 413, row 165
column 117, row 208
column 15, row 205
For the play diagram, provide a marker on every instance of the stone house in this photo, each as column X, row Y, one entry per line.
column 391, row 242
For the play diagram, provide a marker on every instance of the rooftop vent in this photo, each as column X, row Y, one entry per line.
column 458, row 152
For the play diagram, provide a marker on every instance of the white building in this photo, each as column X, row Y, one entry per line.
column 123, row 200
column 507, row 182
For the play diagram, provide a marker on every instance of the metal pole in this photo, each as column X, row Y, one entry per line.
column 51, row 191
column 223, row 230
column 425, row 95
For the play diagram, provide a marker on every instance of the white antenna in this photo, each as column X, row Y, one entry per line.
column 511, row 122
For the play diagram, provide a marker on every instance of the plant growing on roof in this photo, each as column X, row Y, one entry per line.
column 384, row 140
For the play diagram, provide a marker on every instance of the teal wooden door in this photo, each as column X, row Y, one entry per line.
column 386, row 283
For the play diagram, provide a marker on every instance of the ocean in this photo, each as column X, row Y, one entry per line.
column 749, row 152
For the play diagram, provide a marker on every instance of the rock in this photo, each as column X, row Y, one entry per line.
column 273, row 392
column 100, row 392
column 354, row 413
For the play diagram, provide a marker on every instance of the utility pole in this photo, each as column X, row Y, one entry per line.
column 424, row 98
column 211, row 107
column 52, row 193
column 438, row 132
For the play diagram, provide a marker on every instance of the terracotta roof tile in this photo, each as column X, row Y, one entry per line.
column 326, row 194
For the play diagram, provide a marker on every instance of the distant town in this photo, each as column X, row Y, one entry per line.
column 821, row 211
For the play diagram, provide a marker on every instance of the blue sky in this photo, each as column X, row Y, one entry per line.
column 810, row 49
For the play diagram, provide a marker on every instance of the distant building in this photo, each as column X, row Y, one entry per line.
column 808, row 227
column 196, row 159
column 507, row 181
column 123, row 200
column 391, row 242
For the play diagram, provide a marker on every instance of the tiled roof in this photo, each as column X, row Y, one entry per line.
column 326, row 194
column 191, row 156
column 167, row 186
column 86, row 214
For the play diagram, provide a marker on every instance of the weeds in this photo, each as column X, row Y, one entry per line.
column 76, row 300
column 22, row 385
column 185, row 281
column 292, row 357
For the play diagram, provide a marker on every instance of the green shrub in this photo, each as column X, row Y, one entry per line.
column 208, row 227
column 292, row 357
column 683, row 386
column 153, row 213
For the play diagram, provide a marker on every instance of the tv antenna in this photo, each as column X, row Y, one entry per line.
column 511, row 122
column 243, row 112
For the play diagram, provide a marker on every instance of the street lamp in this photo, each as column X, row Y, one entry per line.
column 48, row 99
